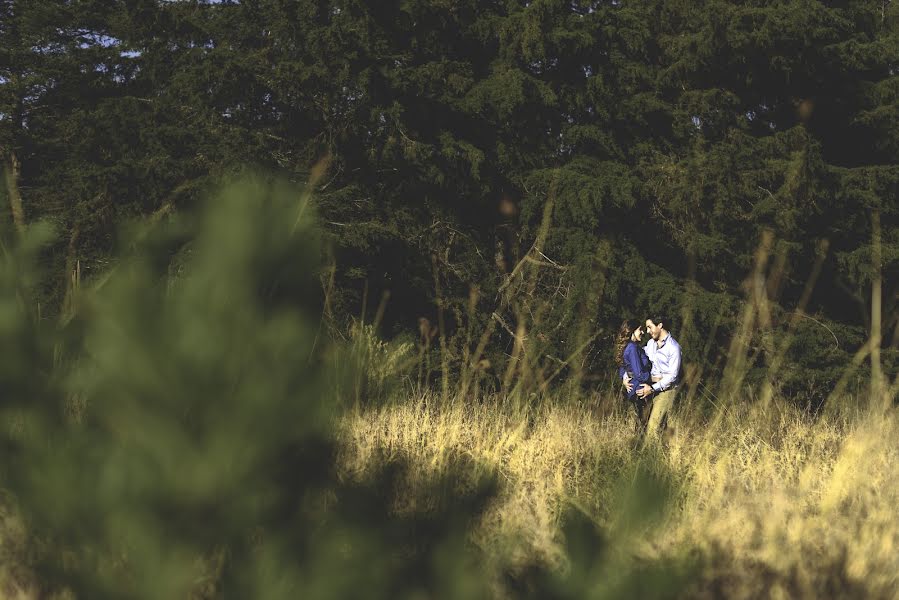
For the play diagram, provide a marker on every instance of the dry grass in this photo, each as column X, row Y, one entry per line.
column 776, row 504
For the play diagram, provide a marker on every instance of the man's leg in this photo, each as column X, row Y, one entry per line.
column 658, row 418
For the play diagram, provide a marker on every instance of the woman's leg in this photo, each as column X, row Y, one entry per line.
column 645, row 411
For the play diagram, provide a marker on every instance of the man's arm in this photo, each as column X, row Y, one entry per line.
column 670, row 377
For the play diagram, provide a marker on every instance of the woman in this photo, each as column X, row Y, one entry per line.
column 631, row 359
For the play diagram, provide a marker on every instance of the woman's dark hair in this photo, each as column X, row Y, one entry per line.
column 622, row 338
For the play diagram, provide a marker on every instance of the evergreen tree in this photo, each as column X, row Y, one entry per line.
column 575, row 162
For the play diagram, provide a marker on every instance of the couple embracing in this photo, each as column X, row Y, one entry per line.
column 650, row 374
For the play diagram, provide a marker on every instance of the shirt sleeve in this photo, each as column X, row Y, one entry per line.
column 670, row 377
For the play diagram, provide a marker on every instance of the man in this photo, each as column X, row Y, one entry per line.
column 665, row 354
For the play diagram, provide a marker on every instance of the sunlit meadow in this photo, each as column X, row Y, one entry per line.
column 776, row 502
column 204, row 439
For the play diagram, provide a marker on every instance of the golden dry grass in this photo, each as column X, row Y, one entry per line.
column 775, row 503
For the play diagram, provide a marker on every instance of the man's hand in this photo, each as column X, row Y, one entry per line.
column 644, row 390
column 626, row 380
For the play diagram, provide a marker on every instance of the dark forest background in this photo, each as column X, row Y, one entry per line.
column 549, row 166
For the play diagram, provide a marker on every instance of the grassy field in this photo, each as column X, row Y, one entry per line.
column 746, row 496
column 208, row 439
column 767, row 500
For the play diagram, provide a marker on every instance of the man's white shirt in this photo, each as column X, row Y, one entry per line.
column 666, row 358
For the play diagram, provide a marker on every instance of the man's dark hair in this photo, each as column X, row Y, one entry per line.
column 659, row 319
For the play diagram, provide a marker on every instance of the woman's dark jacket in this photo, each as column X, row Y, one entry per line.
column 637, row 365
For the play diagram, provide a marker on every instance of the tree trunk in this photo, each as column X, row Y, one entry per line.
column 11, row 175
column 877, row 283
